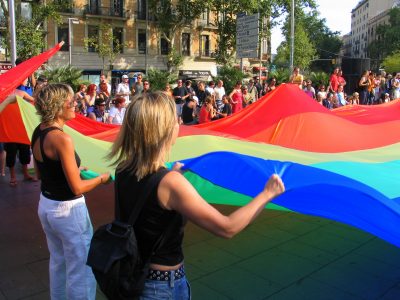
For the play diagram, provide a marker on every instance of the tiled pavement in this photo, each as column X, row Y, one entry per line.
column 280, row 256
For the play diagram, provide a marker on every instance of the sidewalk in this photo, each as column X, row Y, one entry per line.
column 281, row 256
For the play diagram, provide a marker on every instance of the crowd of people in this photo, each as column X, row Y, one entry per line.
column 150, row 126
column 371, row 89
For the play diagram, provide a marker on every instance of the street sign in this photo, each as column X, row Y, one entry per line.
column 247, row 36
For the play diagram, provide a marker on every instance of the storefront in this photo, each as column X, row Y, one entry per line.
column 195, row 75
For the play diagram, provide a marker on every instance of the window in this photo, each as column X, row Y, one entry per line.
column 63, row 35
column 186, row 44
column 93, row 31
column 164, row 46
column 204, row 17
column 94, row 6
column 118, row 38
column 26, row 10
column 205, row 45
column 141, row 9
column 142, row 41
column 118, row 8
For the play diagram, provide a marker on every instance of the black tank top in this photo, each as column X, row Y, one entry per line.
column 54, row 185
column 153, row 219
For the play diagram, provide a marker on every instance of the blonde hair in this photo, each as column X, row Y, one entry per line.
column 145, row 135
column 50, row 101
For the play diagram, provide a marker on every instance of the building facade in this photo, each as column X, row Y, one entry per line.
column 144, row 47
column 365, row 17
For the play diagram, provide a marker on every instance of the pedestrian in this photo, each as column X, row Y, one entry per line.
column 62, row 209
column 123, row 89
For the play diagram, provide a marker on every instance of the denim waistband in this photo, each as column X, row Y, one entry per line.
column 166, row 275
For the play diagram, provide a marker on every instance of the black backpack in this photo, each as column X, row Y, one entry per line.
column 114, row 256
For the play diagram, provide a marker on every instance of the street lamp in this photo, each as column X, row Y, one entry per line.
column 70, row 22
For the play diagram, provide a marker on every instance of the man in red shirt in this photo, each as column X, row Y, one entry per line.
column 334, row 80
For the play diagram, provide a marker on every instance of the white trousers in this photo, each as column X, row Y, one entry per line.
column 68, row 231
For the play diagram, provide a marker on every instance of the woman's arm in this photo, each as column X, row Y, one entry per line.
column 65, row 150
column 176, row 193
column 10, row 99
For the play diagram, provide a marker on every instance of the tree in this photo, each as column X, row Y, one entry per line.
column 30, row 32
column 388, row 38
column 106, row 44
column 170, row 17
column 229, row 75
column 160, row 78
column 304, row 50
column 225, row 20
column 326, row 43
column 64, row 74
column 391, row 62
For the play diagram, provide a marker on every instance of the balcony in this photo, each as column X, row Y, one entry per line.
column 105, row 12
column 205, row 54
column 66, row 8
column 201, row 23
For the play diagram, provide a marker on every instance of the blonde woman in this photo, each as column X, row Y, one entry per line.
column 140, row 151
column 62, row 208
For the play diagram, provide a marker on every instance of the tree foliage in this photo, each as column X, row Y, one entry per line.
column 106, row 44
column 304, row 50
column 229, row 75
column 30, row 33
column 160, row 78
column 63, row 74
column 326, row 43
column 388, row 38
column 391, row 62
column 225, row 20
column 170, row 17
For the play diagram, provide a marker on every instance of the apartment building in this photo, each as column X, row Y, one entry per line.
column 144, row 47
column 365, row 17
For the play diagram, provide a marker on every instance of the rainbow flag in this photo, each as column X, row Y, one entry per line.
column 342, row 164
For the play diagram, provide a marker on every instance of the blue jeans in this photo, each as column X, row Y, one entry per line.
column 68, row 232
column 174, row 289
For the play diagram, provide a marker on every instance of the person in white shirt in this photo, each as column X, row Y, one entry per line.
column 210, row 88
column 117, row 112
column 219, row 92
column 123, row 89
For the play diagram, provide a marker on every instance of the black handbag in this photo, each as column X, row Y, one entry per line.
column 114, row 255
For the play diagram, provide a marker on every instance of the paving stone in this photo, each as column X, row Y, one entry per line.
column 40, row 269
column 329, row 242
column 309, row 289
column 208, row 258
column 245, row 244
column 200, row 291
column 351, row 280
column 308, row 252
column 347, row 232
column 41, row 296
column 20, row 282
column 278, row 266
column 237, row 283
column 381, row 251
column 368, row 265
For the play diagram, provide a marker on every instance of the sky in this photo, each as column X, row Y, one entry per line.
column 336, row 12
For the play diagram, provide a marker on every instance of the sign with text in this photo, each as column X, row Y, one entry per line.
column 247, row 36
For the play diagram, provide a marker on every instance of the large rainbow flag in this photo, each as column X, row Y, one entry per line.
column 343, row 164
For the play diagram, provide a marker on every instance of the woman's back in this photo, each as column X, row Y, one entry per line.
column 153, row 219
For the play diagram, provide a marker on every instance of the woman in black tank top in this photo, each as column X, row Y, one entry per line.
column 62, row 209
column 140, row 151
